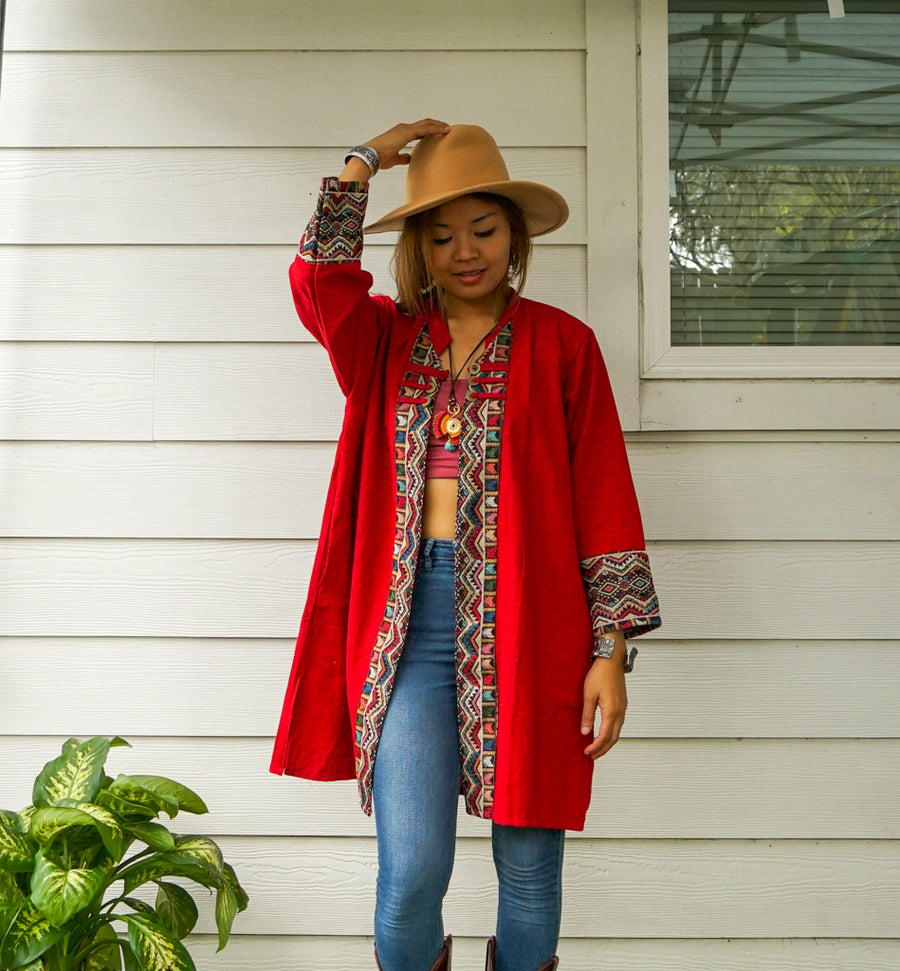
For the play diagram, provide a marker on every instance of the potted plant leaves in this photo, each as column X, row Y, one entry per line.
column 71, row 862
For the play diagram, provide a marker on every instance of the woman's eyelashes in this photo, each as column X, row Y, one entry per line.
column 484, row 234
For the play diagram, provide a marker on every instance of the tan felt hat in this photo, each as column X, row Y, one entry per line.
column 464, row 160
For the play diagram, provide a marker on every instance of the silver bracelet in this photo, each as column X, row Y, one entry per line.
column 604, row 647
column 367, row 154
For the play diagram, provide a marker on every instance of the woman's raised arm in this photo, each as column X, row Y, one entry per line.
column 330, row 288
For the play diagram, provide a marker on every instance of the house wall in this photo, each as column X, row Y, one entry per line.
column 166, row 434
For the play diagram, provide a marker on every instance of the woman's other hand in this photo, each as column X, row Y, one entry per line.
column 604, row 687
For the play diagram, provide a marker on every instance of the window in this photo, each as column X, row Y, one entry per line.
column 784, row 174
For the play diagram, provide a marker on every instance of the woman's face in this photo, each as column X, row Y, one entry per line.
column 467, row 249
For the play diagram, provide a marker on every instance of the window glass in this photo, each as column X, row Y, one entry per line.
column 784, row 173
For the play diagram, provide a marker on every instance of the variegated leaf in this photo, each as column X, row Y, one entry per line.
column 11, row 899
column 155, row 836
column 139, row 906
column 25, row 816
column 108, row 825
column 48, row 823
column 107, row 957
column 241, row 894
column 128, row 787
column 74, row 775
column 125, row 809
column 197, row 850
column 230, row 898
column 29, row 935
column 157, row 866
column 16, row 849
column 226, row 908
column 129, row 959
column 176, row 909
column 60, row 893
column 156, row 948
column 186, row 799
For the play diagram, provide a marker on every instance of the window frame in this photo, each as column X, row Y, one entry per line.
column 660, row 361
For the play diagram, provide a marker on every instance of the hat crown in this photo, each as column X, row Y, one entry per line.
column 466, row 156
column 463, row 161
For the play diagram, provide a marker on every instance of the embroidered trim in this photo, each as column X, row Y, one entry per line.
column 476, row 584
column 620, row 592
column 334, row 233
column 410, row 445
column 475, row 568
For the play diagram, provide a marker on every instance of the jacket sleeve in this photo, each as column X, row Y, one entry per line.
column 330, row 288
column 615, row 568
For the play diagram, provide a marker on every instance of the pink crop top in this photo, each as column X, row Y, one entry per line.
column 439, row 462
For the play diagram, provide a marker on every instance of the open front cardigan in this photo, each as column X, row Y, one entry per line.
column 550, row 548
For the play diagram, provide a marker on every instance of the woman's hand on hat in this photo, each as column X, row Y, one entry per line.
column 389, row 144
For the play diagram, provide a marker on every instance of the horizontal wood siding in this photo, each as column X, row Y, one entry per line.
column 688, row 489
column 167, row 429
column 694, row 689
column 253, row 588
column 681, row 888
column 222, row 292
column 277, row 98
column 714, row 788
column 245, row 196
column 395, row 25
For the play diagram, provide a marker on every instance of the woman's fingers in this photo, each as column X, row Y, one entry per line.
column 604, row 687
column 588, row 712
column 389, row 143
column 610, row 729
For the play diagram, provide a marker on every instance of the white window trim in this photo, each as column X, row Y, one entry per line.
column 660, row 360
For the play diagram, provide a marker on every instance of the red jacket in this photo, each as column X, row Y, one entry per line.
column 550, row 550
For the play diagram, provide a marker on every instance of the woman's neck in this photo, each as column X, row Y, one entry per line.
column 468, row 316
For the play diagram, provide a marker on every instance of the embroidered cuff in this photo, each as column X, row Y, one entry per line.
column 620, row 593
column 334, row 234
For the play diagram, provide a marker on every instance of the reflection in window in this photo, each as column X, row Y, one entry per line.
column 784, row 147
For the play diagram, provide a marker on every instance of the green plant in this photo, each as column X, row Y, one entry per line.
column 61, row 858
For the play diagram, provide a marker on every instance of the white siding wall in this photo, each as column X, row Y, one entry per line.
column 167, row 430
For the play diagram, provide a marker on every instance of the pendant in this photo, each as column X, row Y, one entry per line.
column 448, row 423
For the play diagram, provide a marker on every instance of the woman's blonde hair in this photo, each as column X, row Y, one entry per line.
column 416, row 291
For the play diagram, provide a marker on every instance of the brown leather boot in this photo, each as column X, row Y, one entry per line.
column 443, row 961
column 491, row 963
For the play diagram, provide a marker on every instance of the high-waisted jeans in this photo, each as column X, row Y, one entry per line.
column 416, row 789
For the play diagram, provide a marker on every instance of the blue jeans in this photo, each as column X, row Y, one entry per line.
column 416, row 790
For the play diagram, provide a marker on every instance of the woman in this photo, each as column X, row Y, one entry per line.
column 481, row 560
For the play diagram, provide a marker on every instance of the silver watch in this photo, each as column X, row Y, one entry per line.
column 604, row 647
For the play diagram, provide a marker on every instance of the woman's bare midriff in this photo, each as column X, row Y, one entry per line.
column 439, row 512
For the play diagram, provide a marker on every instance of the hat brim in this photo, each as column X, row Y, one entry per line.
column 545, row 209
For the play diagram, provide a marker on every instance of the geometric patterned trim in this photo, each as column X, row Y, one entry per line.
column 620, row 593
column 476, row 576
column 411, row 423
column 475, row 565
column 334, row 234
